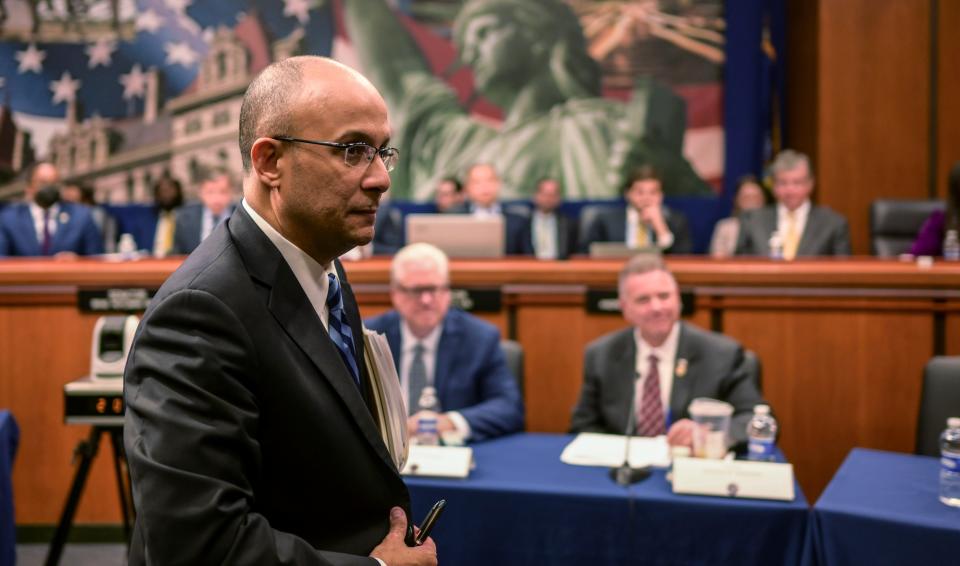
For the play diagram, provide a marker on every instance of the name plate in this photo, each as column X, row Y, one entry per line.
column 722, row 478
column 438, row 461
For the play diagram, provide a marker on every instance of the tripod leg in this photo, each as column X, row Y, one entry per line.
column 87, row 449
column 126, row 499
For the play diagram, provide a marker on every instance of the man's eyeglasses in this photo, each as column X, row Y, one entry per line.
column 419, row 291
column 355, row 153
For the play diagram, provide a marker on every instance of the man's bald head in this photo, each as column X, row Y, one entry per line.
column 42, row 174
column 268, row 104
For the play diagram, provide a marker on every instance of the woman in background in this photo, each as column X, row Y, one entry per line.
column 750, row 194
column 930, row 239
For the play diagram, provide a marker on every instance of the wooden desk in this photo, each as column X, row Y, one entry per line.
column 843, row 345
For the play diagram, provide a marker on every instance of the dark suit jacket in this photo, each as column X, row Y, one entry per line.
column 248, row 441
column 826, row 233
column 517, row 228
column 611, row 226
column 186, row 235
column 715, row 369
column 472, row 377
column 76, row 231
column 566, row 235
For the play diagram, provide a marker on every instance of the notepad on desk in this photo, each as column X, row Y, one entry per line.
column 595, row 449
column 438, row 461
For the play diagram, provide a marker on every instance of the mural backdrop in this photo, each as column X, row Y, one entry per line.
column 119, row 92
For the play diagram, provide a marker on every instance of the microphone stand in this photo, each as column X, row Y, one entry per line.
column 623, row 474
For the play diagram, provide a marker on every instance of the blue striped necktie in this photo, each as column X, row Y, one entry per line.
column 339, row 328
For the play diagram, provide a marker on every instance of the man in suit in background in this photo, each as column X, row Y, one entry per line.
column 554, row 233
column 167, row 200
column 645, row 222
column 448, row 195
column 482, row 188
column 248, row 432
column 44, row 225
column 198, row 220
column 799, row 227
column 644, row 377
column 454, row 352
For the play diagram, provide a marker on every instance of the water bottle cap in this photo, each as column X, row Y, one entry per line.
column 761, row 409
column 953, row 422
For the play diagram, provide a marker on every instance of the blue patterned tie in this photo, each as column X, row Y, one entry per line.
column 339, row 329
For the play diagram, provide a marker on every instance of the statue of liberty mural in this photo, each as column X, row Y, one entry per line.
column 529, row 58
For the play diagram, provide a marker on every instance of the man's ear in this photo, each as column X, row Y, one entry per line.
column 265, row 156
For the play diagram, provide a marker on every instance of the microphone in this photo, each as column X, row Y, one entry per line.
column 623, row 474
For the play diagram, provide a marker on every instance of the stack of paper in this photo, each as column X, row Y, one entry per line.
column 593, row 449
column 439, row 461
column 388, row 407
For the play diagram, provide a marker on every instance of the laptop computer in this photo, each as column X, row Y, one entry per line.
column 459, row 235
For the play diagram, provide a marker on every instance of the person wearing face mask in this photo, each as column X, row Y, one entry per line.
column 452, row 351
column 666, row 362
column 43, row 225
column 645, row 222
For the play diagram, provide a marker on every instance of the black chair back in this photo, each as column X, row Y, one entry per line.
column 939, row 400
column 513, row 351
column 894, row 224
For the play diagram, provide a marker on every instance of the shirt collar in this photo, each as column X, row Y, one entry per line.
column 799, row 215
column 409, row 341
column 666, row 351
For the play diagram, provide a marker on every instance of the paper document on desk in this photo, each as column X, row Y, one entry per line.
column 388, row 407
column 754, row 480
column 439, row 461
column 594, row 449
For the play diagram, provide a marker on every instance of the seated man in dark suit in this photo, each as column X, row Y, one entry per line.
column 448, row 195
column 661, row 363
column 794, row 226
column 554, row 233
column 197, row 221
column 43, row 225
column 483, row 191
column 645, row 222
column 454, row 352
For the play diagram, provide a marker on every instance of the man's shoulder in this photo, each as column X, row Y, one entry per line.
column 215, row 267
column 383, row 322
column 707, row 338
column 827, row 214
column 12, row 210
column 462, row 321
column 615, row 339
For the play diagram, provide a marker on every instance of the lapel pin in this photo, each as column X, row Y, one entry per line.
column 64, row 217
column 681, row 367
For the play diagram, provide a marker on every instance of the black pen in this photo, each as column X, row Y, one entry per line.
column 430, row 521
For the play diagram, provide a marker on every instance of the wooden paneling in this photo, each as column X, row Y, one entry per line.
column 842, row 343
column 873, row 106
column 837, row 377
column 948, row 91
column 800, row 96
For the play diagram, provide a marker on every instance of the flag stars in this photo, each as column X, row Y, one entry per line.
column 180, row 53
column 299, row 9
column 148, row 21
column 134, row 83
column 65, row 89
column 101, row 52
column 30, row 59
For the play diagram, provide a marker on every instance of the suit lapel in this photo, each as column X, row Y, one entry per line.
column 562, row 236
column 624, row 374
column 682, row 384
column 27, row 232
column 811, row 231
column 62, row 233
column 291, row 308
column 450, row 339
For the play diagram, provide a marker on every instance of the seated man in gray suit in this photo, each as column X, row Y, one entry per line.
column 455, row 352
column 668, row 363
column 793, row 224
column 198, row 220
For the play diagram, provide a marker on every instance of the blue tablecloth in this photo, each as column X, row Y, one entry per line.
column 883, row 508
column 521, row 505
column 9, row 436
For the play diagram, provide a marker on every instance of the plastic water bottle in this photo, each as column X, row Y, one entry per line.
column 776, row 246
column 950, row 463
column 951, row 246
column 427, row 434
column 762, row 434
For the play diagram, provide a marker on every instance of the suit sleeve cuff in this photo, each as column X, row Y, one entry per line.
column 461, row 424
column 380, row 562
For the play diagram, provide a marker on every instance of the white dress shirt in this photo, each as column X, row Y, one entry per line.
column 635, row 224
column 800, row 216
column 488, row 211
column 38, row 215
column 309, row 273
column 430, row 345
column 544, row 229
column 666, row 355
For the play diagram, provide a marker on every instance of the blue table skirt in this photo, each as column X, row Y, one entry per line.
column 883, row 508
column 521, row 505
column 9, row 437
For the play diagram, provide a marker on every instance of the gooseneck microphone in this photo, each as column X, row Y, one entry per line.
column 624, row 474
